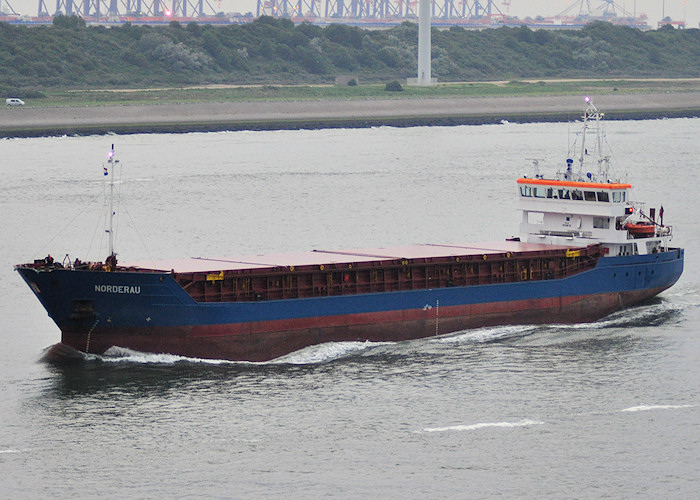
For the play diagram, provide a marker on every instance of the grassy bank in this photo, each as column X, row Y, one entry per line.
column 374, row 91
column 292, row 107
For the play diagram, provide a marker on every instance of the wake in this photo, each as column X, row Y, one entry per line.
column 483, row 425
column 656, row 407
column 649, row 315
column 313, row 355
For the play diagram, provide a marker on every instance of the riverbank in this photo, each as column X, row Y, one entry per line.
column 309, row 114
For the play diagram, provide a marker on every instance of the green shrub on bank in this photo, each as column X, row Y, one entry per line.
column 393, row 86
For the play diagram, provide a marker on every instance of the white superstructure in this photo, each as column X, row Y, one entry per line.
column 580, row 207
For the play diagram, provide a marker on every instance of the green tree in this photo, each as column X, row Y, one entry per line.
column 71, row 22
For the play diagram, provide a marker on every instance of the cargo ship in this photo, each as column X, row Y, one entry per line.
column 585, row 250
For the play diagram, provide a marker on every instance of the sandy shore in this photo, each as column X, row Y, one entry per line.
column 35, row 121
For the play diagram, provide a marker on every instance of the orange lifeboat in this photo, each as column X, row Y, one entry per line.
column 641, row 229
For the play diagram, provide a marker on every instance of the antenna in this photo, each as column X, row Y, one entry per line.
column 536, row 167
column 592, row 122
column 584, row 150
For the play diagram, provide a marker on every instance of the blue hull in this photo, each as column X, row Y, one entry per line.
column 152, row 312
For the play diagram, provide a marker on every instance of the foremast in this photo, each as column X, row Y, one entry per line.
column 111, row 262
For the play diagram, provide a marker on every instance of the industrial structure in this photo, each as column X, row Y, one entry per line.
column 377, row 13
column 584, row 11
column 97, row 8
column 379, row 9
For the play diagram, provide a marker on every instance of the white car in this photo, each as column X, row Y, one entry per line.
column 13, row 101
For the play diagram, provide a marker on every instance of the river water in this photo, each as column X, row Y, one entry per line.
column 585, row 411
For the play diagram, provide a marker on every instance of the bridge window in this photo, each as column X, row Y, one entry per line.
column 589, row 195
column 564, row 194
column 539, row 192
column 603, row 196
column 525, row 191
column 626, row 250
column 601, row 222
column 653, row 247
column 576, row 195
column 618, row 196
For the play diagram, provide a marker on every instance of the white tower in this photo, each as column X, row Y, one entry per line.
column 424, row 69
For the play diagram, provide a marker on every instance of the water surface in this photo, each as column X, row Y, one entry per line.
column 604, row 409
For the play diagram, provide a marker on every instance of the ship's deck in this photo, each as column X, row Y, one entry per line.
column 324, row 257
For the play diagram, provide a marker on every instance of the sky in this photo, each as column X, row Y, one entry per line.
column 676, row 9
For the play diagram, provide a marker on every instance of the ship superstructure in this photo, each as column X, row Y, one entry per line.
column 585, row 203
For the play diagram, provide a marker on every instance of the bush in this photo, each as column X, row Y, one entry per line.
column 71, row 22
column 194, row 29
column 346, row 36
column 393, row 86
column 352, row 83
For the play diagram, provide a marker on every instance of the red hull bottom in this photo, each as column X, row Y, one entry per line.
column 263, row 341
